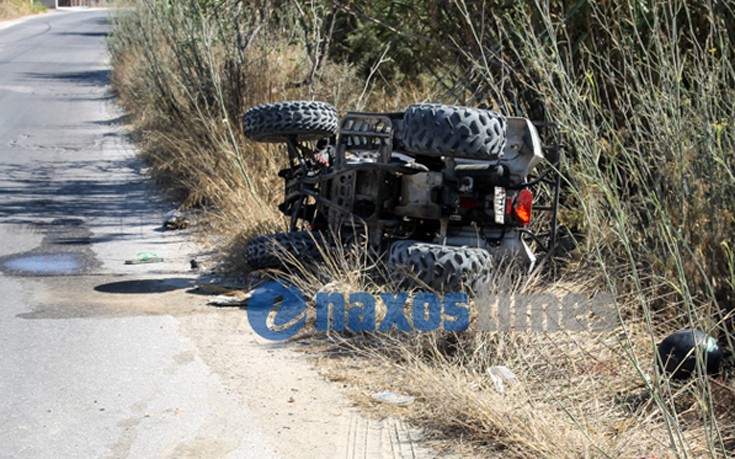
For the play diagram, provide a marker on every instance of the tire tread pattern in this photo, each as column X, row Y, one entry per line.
column 448, row 130
column 277, row 122
column 272, row 251
column 444, row 268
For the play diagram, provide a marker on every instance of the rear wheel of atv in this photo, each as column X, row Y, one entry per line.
column 448, row 130
column 281, row 249
column 279, row 122
column 444, row 268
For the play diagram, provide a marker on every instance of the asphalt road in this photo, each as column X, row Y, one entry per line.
column 92, row 359
column 103, row 359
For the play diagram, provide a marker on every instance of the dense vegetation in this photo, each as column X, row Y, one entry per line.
column 11, row 9
column 644, row 92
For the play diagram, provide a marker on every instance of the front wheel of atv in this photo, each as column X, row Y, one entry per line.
column 443, row 268
column 448, row 130
column 279, row 122
column 280, row 250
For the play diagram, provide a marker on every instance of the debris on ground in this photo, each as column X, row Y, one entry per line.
column 393, row 398
column 198, row 265
column 678, row 353
column 144, row 257
column 214, row 289
column 175, row 220
column 229, row 300
column 224, row 296
column 501, row 375
column 227, row 291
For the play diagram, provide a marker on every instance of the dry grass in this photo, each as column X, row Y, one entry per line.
column 186, row 73
column 581, row 394
column 12, row 9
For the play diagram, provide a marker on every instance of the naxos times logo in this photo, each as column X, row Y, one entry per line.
column 278, row 312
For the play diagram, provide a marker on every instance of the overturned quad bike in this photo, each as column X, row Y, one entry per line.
column 441, row 191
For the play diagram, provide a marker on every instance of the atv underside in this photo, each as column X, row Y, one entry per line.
column 439, row 191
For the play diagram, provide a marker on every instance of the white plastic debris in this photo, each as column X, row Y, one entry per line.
column 500, row 374
column 227, row 300
column 393, row 399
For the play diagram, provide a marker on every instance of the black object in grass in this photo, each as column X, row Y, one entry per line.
column 678, row 353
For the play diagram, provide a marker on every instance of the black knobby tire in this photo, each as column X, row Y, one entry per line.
column 282, row 249
column 444, row 268
column 448, row 130
column 281, row 121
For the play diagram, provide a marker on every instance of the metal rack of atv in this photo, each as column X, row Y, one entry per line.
column 551, row 176
column 440, row 191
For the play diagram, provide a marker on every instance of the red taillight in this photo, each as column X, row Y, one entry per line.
column 523, row 206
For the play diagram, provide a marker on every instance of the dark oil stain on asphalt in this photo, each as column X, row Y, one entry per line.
column 61, row 274
column 64, row 251
column 45, row 264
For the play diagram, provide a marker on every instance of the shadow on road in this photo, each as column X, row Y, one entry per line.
column 88, row 78
column 58, row 190
column 146, row 286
